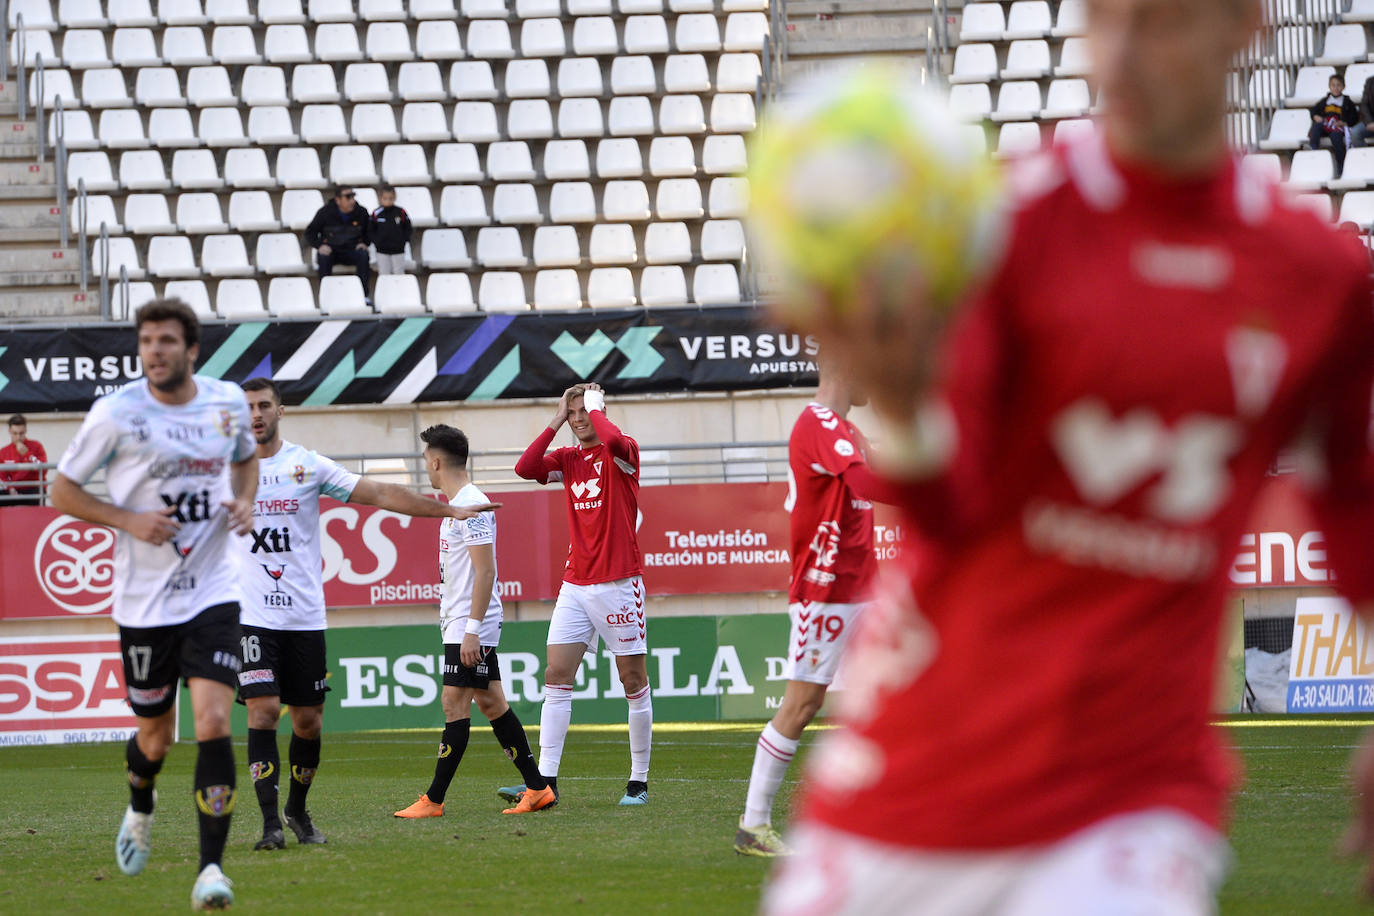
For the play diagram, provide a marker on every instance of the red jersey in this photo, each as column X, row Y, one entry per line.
column 832, row 525
column 10, row 455
column 1118, row 393
column 602, row 484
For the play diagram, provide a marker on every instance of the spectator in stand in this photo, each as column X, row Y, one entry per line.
column 1360, row 131
column 22, row 450
column 1332, row 117
column 390, row 232
column 338, row 233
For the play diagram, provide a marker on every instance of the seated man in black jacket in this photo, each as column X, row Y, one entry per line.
column 339, row 234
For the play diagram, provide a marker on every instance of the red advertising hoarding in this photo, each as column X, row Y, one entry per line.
column 696, row 539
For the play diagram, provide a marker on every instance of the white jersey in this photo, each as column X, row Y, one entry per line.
column 280, row 559
column 455, row 570
column 160, row 456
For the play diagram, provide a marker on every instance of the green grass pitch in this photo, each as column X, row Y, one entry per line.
column 61, row 807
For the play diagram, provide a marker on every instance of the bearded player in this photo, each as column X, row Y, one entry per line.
column 833, row 566
column 283, row 618
column 180, row 471
column 470, row 615
column 603, row 592
column 1028, row 720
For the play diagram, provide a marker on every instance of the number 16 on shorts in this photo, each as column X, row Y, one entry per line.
column 817, row 639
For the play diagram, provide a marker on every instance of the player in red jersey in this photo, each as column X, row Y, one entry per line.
column 603, row 588
column 829, row 486
column 1028, row 720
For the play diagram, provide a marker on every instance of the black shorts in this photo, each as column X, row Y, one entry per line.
column 286, row 663
column 155, row 658
column 479, row 676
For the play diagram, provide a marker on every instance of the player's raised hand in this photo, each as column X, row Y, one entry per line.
column 240, row 517
column 155, row 526
column 465, row 512
column 1359, row 836
column 561, row 416
column 595, row 398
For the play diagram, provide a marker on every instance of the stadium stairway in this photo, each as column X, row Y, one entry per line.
column 820, row 32
column 38, row 277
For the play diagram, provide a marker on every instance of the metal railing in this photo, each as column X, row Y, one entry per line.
column 4, row 40
column 1265, row 72
column 104, row 267
column 83, row 254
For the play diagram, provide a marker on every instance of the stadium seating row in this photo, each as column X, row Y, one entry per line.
column 989, row 21
column 224, row 254
column 88, row 14
column 415, row 81
column 375, row 122
column 497, row 291
column 437, row 39
column 1021, row 100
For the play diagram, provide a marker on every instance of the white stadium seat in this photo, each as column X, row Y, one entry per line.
column 1345, row 44
column 982, row 22
column 449, row 293
column 579, row 76
column 367, row 82
column 221, row 127
column 510, row 161
column 1310, row 170
column 286, row 44
column 37, row 15
column 388, row 41
column 275, row 12
column 745, row 31
column 330, row 10
column 1067, row 98
column 697, row 32
column 198, row 213
column 343, row 295
column 475, row 122
column 515, row 204
column 673, row 157
column 529, row 119
column 572, row 202
column 247, row 168
column 646, row 35
column 662, row 285
column 557, row 289
column 80, row 14
column 667, row 243
column 352, row 165
column 633, row 76
column 542, row 38
column 1018, row 100
column 184, row 46
column 420, row 81
column 76, row 128
column 422, row 121
column 556, row 246
column 611, row 287
column 418, row 204
column 625, row 201
column 715, row 284
column 472, row 80
column 120, row 128
column 147, row 214
column 1287, row 130
column 234, row 44
column 138, row 293
column 456, row 163
column 56, row 84
column 337, row 41
column 1017, row 138
column 594, row 36
column 630, row 116
column 1071, row 19
column 463, row 205
column 83, row 49
column 92, row 168
column 444, row 249
column 1358, row 173
column 251, row 211
column 195, row 169
column 502, row 291
column 437, row 39
column 134, row 48
column 1027, row 59
column 182, row 12
column 433, row 9
column 323, row 124
column 678, row 198
column 619, row 158
column 36, row 44
column 732, row 113
column 738, row 72
column 264, row 86
column 398, row 294
column 686, row 73
column 1073, row 58
column 194, row 294
column 970, row 101
column 1310, row 86
column 209, row 87
column 158, row 87
column 1028, row 19
column 100, row 208
column 405, row 164
column 527, row 79
column 239, row 300
column 489, row 39
column 374, row 123
column 722, row 240
column 104, row 89
column 728, row 198
column 612, row 243
column 141, row 170
column 290, row 297
column 225, row 255
column 485, row 9
column 580, row 118
column 1358, row 207
column 271, row 126
column 566, row 159
column 299, row 167
column 679, row 114
column 298, row 208
column 171, row 256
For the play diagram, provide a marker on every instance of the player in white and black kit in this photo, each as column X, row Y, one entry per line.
column 283, row 610
column 181, row 475
column 470, row 622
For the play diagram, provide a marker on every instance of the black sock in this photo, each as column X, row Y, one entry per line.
column 263, row 764
column 305, row 760
column 214, row 795
column 553, row 783
column 511, row 734
column 142, row 773
column 451, row 747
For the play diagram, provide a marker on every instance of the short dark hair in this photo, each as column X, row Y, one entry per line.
column 1338, row 78
column 260, row 383
column 385, row 189
column 447, row 439
column 340, row 188
column 172, row 309
column 18, row 420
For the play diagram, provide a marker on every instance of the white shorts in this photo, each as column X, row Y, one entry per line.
column 1159, row 862
column 613, row 610
column 817, row 639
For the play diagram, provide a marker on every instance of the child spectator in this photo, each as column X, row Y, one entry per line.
column 1332, row 117
column 390, row 231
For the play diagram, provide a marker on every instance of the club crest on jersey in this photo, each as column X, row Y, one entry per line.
column 298, row 475
column 226, row 423
column 215, row 801
column 139, row 429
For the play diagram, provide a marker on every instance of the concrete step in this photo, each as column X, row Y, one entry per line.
column 798, row 9
column 857, row 35
column 20, row 179
column 797, row 68
column 49, row 303
column 18, row 139
column 9, row 97
column 39, row 266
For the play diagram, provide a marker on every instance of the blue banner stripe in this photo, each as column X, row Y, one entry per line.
column 478, row 343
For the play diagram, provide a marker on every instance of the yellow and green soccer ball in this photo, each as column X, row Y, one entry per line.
column 860, row 173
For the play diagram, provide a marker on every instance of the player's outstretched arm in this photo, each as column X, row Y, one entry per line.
column 243, row 483
column 396, row 498
column 69, row 497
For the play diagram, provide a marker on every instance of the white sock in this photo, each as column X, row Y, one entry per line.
column 771, row 758
column 553, row 726
column 641, row 733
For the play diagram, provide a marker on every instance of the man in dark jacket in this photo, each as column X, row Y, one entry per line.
column 1361, row 130
column 1333, row 117
column 338, row 233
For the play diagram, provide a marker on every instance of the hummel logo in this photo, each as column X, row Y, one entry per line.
column 587, row 488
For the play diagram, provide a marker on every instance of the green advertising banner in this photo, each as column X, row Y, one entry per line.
column 700, row 669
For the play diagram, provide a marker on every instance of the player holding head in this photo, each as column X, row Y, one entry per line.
column 284, row 615
column 603, row 591
column 181, row 474
column 470, row 624
column 1028, row 718
column 833, row 565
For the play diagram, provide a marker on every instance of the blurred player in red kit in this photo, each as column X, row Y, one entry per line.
column 602, row 595
column 1028, row 715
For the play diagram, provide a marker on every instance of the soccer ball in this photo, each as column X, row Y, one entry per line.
column 860, row 176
